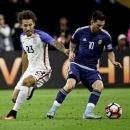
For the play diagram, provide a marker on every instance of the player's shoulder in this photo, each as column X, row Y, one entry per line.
column 105, row 33
column 39, row 32
column 22, row 34
column 84, row 28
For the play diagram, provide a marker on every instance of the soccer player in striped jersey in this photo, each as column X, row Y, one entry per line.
column 83, row 66
column 36, row 68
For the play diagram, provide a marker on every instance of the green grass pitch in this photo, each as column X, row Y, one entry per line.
column 32, row 114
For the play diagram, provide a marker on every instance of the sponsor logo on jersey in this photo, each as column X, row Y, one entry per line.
column 100, row 41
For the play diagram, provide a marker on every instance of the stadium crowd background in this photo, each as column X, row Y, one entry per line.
column 76, row 13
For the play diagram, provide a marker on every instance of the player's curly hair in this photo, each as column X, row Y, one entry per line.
column 26, row 14
column 98, row 15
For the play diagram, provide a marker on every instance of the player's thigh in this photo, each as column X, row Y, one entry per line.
column 92, row 80
column 41, row 80
column 98, row 85
column 29, row 81
column 24, row 76
column 73, row 72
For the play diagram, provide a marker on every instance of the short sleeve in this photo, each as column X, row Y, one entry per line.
column 75, row 37
column 21, row 43
column 108, row 43
column 45, row 37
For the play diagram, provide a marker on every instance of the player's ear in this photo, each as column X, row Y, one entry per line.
column 33, row 23
column 91, row 22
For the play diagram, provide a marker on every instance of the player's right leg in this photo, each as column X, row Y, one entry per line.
column 72, row 80
column 25, row 84
column 15, row 94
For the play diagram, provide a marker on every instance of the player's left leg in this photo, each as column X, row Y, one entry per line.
column 30, row 93
column 16, row 92
column 26, row 83
column 17, row 89
column 94, row 83
column 93, row 99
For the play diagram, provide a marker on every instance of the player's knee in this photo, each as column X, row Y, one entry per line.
column 26, row 83
column 68, row 87
column 100, row 87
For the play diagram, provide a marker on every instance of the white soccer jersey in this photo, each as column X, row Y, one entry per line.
column 36, row 47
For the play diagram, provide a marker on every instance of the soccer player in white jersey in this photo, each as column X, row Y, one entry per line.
column 36, row 69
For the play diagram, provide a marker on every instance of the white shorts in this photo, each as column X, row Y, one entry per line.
column 41, row 77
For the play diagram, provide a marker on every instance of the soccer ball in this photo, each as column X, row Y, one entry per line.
column 113, row 111
column 61, row 39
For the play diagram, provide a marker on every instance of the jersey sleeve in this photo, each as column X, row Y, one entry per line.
column 75, row 37
column 108, row 43
column 45, row 37
column 21, row 43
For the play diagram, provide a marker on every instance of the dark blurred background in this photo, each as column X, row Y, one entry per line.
column 77, row 12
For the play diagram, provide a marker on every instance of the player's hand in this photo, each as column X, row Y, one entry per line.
column 67, row 51
column 71, row 56
column 117, row 64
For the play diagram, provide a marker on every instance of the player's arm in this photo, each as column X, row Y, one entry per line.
column 60, row 47
column 110, row 52
column 111, row 57
column 72, row 46
column 24, row 62
column 46, row 38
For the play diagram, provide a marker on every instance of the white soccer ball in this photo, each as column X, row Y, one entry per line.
column 113, row 111
column 61, row 40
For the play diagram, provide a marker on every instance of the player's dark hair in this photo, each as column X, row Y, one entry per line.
column 26, row 15
column 98, row 15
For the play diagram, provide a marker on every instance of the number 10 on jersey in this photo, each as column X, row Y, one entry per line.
column 91, row 45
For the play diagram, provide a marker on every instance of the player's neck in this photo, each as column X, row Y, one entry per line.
column 91, row 29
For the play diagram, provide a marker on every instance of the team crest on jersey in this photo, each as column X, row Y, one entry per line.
column 100, row 41
column 35, row 41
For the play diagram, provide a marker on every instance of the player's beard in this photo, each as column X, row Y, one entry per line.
column 29, row 33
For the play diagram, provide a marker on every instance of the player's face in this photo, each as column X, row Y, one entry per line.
column 97, row 25
column 28, row 26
